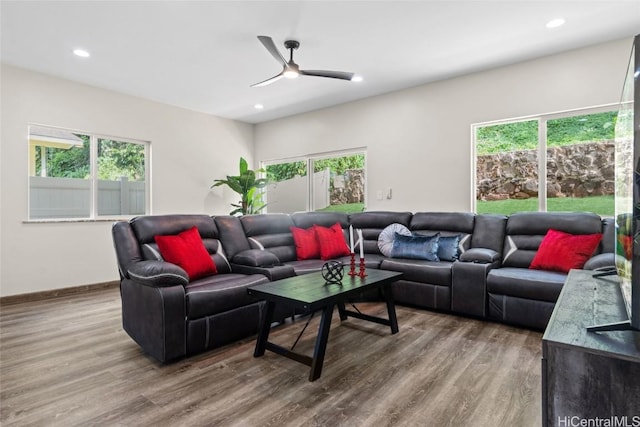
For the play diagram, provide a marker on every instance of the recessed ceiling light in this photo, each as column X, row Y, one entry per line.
column 356, row 78
column 555, row 23
column 258, row 106
column 81, row 53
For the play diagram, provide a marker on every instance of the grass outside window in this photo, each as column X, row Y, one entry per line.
column 601, row 205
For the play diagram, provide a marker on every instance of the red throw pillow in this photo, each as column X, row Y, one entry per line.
column 561, row 251
column 306, row 243
column 332, row 242
column 187, row 251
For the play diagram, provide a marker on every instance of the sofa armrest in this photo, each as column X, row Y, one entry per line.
column 606, row 260
column 256, row 258
column 480, row 256
column 469, row 288
column 155, row 317
column 276, row 272
column 158, row 274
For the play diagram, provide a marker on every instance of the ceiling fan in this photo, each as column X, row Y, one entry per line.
column 290, row 69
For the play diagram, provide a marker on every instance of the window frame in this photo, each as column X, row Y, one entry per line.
column 542, row 119
column 309, row 159
column 94, row 137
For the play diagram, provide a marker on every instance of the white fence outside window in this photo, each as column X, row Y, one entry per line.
column 71, row 197
column 279, row 194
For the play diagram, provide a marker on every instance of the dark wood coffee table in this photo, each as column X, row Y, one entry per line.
column 309, row 293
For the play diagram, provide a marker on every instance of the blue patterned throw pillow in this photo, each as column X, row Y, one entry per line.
column 416, row 246
column 449, row 248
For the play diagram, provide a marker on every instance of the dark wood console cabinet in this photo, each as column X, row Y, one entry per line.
column 589, row 375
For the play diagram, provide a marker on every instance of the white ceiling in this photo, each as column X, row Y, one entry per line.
column 203, row 55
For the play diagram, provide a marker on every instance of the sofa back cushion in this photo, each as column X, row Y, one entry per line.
column 608, row 242
column 445, row 223
column 147, row 227
column 271, row 232
column 488, row 232
column 372, row 223
column 231, row 234
column 525, row 231
column 128, row 250
column 324, row 219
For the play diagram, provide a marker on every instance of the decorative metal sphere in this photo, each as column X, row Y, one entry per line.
column 332, row 272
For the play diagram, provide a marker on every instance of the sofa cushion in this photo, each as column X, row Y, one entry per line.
column 417, row 270
column 373, row 222
column 270, row 232
column 388, row 236
column 256, row 258
column 488, row 232
column 458, row 222
column 325, row 219
column 216, row 294
column 148, row 226
column 561, row 251
column 447, row 224
column 416, row 246
column 231, row 234
column 188, row 252
column 331, row 241
column 306, row 243
column 526, row 283
column 306, row 266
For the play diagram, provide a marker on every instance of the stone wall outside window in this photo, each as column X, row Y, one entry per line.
column 579, row 170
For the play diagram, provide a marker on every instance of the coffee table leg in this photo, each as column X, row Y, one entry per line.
column 391, row 308
column 341, row 310
column 321, row 343
column 265, row 327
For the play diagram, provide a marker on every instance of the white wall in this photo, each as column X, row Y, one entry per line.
column 189, row 151
column 419, row 140
column 418, row 143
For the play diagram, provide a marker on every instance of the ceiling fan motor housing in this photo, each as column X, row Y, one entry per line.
column 291, row 44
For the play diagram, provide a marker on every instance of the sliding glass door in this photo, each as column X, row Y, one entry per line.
column 337, row 183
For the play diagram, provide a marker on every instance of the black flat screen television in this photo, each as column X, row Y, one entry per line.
column 627, row 197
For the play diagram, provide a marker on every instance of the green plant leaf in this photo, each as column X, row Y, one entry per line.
column 244, row 167
column 246, row 185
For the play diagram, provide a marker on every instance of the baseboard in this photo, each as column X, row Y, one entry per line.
column 56, row 293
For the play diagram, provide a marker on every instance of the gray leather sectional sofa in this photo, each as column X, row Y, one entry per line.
column 170, row 317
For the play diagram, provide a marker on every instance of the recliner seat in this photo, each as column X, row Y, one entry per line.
column 168, row 316
column 526, row 297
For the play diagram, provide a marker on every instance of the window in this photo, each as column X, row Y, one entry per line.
column 576, row 172
column 337, row 183
column 80, row 175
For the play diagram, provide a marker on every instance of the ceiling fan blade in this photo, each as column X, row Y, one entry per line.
column 268, row 81
column 332, row 74
column 271, row 47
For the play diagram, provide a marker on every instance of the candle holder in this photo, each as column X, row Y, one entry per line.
column 362, row 273
column 352, row 269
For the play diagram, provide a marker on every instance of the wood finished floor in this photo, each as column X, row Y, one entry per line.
column 67, row 362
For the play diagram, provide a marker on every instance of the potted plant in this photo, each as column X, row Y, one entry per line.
column 248, row 186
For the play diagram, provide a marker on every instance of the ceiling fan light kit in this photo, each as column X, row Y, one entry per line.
column 290, row 69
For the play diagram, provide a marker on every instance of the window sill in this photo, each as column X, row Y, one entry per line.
column 74, row 220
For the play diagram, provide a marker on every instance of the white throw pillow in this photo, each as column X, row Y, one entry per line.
column 386, row 237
